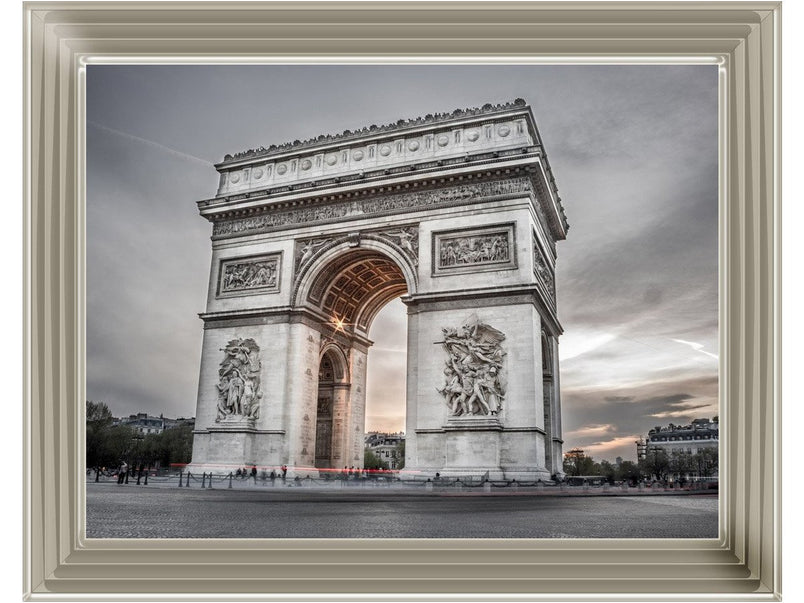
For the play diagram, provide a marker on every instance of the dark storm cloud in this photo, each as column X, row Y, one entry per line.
column 633, row 149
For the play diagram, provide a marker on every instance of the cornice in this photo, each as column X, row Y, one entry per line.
column 325, row 189
column 402, row 125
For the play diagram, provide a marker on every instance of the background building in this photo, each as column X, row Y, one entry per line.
column 692, row 438
column 386, row 446
column 145, row 424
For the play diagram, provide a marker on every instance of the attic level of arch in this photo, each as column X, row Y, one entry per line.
column 288, row 195
column 396, row 198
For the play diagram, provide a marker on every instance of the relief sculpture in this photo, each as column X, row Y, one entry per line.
column 463, row 251
column 239, row 382
column 474, row 377
column 406, row 239
column 243, row 275
column 377, row 204
column 306, row 249
column 543, row 272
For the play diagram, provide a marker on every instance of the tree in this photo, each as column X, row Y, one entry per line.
column 656, row 463
column 680, row 463
column 372, row 461
column 607, row 470
column 106, row 444
column 400, row 455
column 629, row 471
column 577, row 463
column 705, row 462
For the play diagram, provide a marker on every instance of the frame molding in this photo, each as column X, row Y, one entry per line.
column 743, row 38
column 439, row 236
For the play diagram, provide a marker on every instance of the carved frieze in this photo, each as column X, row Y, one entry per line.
column 474, row 372
column 375, row 205
column 544, row 274
column 404, row 238
column 238, row 384
column 469, row 250
column 248, row 275
column 306, row 249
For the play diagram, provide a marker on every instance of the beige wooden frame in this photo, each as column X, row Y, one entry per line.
column 742, row 37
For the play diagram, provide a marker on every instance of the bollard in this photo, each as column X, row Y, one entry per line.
column 146, row 478
column 209, row 485
column 230, row 479
column 181, row 476
column 97, row 474
column 187, row 485
column 203, row 480
column 139, row 476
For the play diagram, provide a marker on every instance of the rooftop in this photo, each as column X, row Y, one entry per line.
column 347, row 135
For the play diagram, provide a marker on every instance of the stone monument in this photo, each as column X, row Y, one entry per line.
column 456, row 213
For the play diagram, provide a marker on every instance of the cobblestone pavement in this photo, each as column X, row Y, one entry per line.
column 263, row 512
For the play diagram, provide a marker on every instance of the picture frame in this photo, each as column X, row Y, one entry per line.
column 60, row 39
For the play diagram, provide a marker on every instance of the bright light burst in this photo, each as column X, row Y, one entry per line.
column 338, row 322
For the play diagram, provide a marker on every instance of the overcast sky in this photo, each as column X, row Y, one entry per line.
column 634, row 152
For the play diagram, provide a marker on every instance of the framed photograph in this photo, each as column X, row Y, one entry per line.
column 339, row 300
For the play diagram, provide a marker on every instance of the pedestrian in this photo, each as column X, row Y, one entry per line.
column 273, row 477
column 254, row 474
column 239, row 473
column 123, row 473
column 284, row 472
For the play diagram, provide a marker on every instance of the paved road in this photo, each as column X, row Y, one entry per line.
column 143, row 512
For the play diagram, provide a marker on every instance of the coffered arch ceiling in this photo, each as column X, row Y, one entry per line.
column 352, row 288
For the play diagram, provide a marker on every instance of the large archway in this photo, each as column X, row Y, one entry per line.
column 347, row 288
column 456, row 213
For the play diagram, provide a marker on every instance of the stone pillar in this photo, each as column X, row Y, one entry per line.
column 355, row 419
column 510, row 443
column 557, row 433
column 301, row 398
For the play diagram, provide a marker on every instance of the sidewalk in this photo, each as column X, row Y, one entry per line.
column 419, row 487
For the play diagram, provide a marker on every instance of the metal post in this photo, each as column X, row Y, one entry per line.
column 146, row 477
column 181, row 476
column 210, row 481
column 188, row 480
column 230, row 479
column 97, row 474
column 203, row 480
column 139, row 476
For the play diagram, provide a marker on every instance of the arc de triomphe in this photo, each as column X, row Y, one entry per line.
column 456, row 213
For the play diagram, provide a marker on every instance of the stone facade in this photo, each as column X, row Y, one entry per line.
column 459, row 215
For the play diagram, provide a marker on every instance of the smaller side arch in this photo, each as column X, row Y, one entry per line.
column 340, row 362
